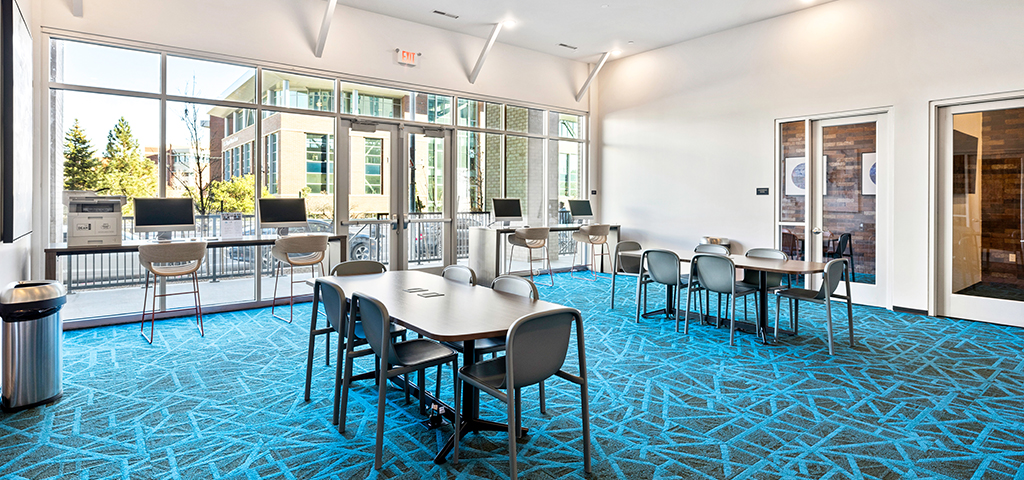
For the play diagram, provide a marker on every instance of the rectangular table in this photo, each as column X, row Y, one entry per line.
column 487, row 251
column 763, row 266
column 462, row 314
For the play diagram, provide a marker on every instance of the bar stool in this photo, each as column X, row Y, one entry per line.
column 296, row 251
column 171, row 260
column 592, row 235
column 531, row 239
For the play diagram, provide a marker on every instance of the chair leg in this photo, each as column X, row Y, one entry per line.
column 640, row 297
column 585, row 406
column 337, row 379
column 778, row 313
column 828, row 323
column 145, row 297
column 686, row 319
column 543, row 401
column 347, row 379
column 732, row 320
column 519, row 413
column 422, row 389
column 551, row 272
column 291, row 293
column 381, row 390
column 437, row 384
column 277, row 277
column 572, row 267
column 679, row 291
column 458, row 413
column 849, row 317
column 199, row 305
column 512, row 434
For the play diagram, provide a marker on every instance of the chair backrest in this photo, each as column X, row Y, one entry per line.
column 174, row 252
column 774, row 279
column 712, row 248
column 789, row 243
column 516, row 285
column 536, row 345
column 459, row 273
column 301, row 244
column 833, row 276
column 335, row 305
column 376, row 325
column 535, row 233
column 358, row 267
column 598, row 233
column 662, row 266
column 717, row 273
column 628, row 265
column 844, row 244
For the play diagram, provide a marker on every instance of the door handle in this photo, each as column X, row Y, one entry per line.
column 816, row 231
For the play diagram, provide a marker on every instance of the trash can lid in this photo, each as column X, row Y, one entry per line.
column 30, row 291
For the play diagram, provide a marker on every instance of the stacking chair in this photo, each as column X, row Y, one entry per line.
column 695, row 287
column 358, row 267
column 337, row 311
column 536, row 349
column 625, row 266
column 594, row 236
column 661, row 266
column 845, row 243
column 296, row 251
column 531, row 239
column 459, row 273
column 835, row 272
column 171, row 260
column 751, row 278
column 717, row 274
column 396, row 359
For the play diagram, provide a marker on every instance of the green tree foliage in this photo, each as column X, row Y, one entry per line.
column 235, row 195
column 125, row 171
column 81, row 167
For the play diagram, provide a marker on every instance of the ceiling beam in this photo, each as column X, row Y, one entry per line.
column 484, row 52
column 325, row 27
column 76, row 7
column 586, row 84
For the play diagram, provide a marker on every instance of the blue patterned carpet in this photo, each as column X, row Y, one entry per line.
column 918, row 397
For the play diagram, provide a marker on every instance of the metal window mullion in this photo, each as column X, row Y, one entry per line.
column 257, row 139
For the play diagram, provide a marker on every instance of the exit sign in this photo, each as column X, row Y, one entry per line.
column 406, row 57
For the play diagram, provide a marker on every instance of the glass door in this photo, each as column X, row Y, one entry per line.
column 426, row 221
column 981, row 212
column 847, row 201
column 372, row 178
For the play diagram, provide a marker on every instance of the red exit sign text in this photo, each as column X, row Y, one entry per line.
column 406, row 57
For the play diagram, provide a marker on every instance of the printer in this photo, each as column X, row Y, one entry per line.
column 93, row 219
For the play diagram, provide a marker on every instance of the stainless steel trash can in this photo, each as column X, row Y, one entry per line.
column 32, row 363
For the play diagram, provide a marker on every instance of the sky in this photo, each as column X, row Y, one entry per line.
column 99, row 66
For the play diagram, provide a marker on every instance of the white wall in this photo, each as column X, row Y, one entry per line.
column 360, row 43
column 687, row 131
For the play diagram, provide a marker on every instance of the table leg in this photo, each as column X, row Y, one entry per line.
column 670, row 306
column 762, row 305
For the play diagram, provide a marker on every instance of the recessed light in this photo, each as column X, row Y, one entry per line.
column 446, row 14
column 604, row 6
column 629, row 42
column 616, row 52
column 566, row 45
column 509, row 23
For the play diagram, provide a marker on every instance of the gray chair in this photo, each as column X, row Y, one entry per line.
column 594, row 236
column 400, row 359
column 459, row 273
column 695, row 287
column 358, row 267
column 844, row 249
column 171, row 260
column 537, row 346
column 532, row 239
column 751, row 278
column 717, row 274
column 835, row 272
column 660, row 266
column 295, row 252
column 625, row 265
column 337, row 311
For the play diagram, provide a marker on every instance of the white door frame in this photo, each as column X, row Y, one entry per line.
column 343, row 175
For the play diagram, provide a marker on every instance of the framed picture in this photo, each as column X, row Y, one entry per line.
column 868, row 173
column 796, row 176
column 15, row 124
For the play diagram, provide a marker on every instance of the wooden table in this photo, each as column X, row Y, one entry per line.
column 462, row 314
column 763, row 266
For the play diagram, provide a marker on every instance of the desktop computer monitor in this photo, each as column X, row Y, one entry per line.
column 507, row 210
column 164, row 215
column 283, row 213
column 580, row 209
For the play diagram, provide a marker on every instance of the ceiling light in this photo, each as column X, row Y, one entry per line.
column 509, row 23
column 616, row 52
column 566, row 45
column 446, row 14
column 630, row 42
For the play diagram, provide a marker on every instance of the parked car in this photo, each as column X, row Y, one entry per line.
column 360, row 245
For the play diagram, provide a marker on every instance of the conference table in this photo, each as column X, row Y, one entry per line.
column 447, row 311
column 763, row 266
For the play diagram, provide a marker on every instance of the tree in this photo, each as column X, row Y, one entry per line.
column 196, row 183
column 125, row 171
column 235, row 195
column 81, row 167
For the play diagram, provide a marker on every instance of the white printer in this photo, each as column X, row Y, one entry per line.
column 93, row 219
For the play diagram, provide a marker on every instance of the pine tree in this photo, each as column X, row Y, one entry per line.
column 81, row 167
column 126, row 172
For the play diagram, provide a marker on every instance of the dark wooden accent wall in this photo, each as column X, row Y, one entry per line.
column 1002, row 146
column 794, row 143
column 845, row 208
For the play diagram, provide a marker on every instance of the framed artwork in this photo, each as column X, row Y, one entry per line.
column 868, row 173
column 15, row 124
column 796, row 176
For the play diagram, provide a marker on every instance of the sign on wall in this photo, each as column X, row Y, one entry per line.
column 406, row 57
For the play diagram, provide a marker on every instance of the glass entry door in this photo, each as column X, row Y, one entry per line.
column 372, row 204
column 981, row 212
column 426, row 220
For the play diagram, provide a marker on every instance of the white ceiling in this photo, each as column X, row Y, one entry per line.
column 594, row 26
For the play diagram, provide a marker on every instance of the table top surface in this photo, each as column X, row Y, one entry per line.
column 463, row 312
column 564, row 227
column 763, row 264
column 132, row 245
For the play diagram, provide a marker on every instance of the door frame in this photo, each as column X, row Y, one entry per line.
column 447, row 133
column 940, row 200
column 343, row 179
column 884, row 144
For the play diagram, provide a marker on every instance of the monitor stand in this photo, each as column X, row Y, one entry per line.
column 163, row 236
column 282, row 232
